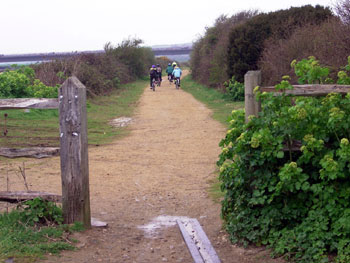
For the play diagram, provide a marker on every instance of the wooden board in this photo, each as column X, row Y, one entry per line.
column 197, row 241
column 17, row 197
column 34, row 152
column 311, row 90
column 28, row 103
column 190, row 243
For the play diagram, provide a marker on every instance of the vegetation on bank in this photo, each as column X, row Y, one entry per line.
column 105, row 77
column 250, row 40
column 41, row 127
column 100, row 73
column 293, row 200
column 34, row 229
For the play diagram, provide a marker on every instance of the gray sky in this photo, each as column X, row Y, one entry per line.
column 29, row 26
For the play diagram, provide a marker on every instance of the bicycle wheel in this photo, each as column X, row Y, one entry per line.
column 153, row 85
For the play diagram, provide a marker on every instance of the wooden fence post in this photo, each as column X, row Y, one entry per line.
column 251, row 80
column 74, row 152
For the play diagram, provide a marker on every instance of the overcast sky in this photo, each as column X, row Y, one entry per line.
column 29, row 26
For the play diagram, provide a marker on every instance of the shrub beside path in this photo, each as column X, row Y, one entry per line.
column 164, row 167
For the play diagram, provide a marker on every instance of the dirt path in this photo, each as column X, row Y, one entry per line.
column 163, row 168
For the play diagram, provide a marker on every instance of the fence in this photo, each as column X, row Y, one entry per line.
column 71, row 103
column 253, row 79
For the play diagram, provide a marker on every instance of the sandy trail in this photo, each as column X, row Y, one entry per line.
column 163, row 168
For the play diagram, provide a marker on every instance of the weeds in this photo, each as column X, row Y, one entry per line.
column 33, row 230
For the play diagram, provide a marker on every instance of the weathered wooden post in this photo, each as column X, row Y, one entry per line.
column 74, row 152
column 252, row 106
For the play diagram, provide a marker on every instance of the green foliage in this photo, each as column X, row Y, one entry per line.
column 293, row 201
column 21, row 83
column 13, row 84
column 30, row 231
column 40, row 90
column 246, row 41
column 41, row 211
column 138, row 59
column 101, row 73
column 235, row 90
column 310, row 71
column 209, row 57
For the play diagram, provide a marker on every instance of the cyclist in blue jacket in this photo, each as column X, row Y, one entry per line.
column 177, row 72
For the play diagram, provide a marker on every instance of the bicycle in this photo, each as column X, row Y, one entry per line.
column 177, row 83
column 153, row 87
column 159, row 82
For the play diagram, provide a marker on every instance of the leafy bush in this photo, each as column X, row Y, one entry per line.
column 246, row 41
column 33, row 229
column 294, row 199
column 39, row 211
column 209, row 56
column 100, row 73
column 234, row 90
column 40, row 90
column 20, row 83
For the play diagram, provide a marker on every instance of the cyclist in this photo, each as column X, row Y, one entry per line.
column 169, row 70
column 174, row 64
column 152, row 74
column 177, row 72
column 159, row 72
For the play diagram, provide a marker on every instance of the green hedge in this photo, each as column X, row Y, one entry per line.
column 246, row 41
column 295, row 201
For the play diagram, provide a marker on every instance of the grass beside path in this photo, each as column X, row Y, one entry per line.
column 222, row 108
column 212, row 98
column 41, row 127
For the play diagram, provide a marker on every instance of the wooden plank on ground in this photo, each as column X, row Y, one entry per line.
column 311, row 90
column 197, row 241
column 33, row 152
column 28, row 103
column 19, row 196
column 190, row 243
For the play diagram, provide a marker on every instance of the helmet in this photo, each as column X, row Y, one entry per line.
column 157, row 65
column 174, row 63
column 169, row 64
column 153, row 66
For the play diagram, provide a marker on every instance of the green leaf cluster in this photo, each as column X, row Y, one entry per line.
column 40, row 211
column 310, row 71
column 34, row 229
column 286, row 174
column 234, row 90
column 21, row 83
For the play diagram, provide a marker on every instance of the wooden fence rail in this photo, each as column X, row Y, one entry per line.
column 73, row 146
column 253, row 79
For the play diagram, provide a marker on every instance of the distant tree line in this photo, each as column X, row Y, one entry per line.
column 250, row 40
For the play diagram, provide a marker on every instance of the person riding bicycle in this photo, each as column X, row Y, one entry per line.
column 153, row 74
column 159, row 72
column 177, row 72
column 170, row 70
